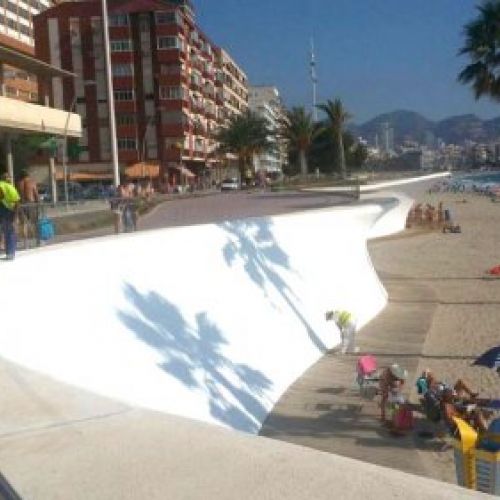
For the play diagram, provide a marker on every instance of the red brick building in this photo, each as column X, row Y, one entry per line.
column 172, row 86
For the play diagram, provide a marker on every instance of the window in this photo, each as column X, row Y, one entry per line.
column 125, row 119
column 122, row 70
column 123, row 95
column 118, row 20
column 171, row 92
column 121, row 45
column 167, row 18
column 126, row 143
column 169, row 42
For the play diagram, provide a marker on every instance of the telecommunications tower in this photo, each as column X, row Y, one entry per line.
column 314, row 82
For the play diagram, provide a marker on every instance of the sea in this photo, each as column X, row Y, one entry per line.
column 480, row 180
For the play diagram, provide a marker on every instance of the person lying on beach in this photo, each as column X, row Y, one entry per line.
column 428, row 382
column 391, row 382
column 452, row 407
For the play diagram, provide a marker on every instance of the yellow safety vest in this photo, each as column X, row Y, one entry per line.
column 10, row 195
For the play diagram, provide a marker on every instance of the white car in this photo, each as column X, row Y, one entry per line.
column 230, row 184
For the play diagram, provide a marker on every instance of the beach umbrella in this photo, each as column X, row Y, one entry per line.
column 490, row 359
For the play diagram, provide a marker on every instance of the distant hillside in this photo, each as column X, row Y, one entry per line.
column 409, row 125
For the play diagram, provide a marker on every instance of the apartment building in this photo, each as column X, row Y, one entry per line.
column 232, row 84
column 265, row 100
column 172, row 86
column 16, row 33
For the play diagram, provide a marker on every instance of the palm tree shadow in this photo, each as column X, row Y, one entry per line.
column 262, row 258
column 193, row 355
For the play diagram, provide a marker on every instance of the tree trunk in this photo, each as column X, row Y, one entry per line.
column 303, row 162
column 341, row 154
column 242, row 169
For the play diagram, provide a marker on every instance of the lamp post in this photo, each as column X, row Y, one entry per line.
column 111, row 97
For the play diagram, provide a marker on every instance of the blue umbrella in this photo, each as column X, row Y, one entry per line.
column 490, row 359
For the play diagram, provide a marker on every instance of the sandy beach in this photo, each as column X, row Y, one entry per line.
column 453, row 266
column 466, row 318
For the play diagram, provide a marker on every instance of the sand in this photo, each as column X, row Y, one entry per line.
column 466, row 320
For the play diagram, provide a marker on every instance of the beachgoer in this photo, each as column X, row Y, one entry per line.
column 450, row 408
column 428, row 381
column 9, row 200
column 27, row 188
column 29, row 212
column 391, row 382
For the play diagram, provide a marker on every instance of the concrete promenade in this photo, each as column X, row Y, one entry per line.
column 59, row 443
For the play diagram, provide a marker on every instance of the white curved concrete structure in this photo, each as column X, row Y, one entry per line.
column 210, row 322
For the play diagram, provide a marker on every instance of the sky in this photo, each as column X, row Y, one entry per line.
column 376, row 55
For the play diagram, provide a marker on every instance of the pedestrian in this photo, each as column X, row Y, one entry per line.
column 9, row 201
column 29, row 213
column 27, row 188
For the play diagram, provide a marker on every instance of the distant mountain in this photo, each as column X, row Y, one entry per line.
column 409, row 125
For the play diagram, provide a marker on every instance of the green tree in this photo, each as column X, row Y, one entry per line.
column 323, row 148
column 24, row 148
column 245, row 135
column 358, row 155
column 337, row 117
column 297, row 128
column 482, row 46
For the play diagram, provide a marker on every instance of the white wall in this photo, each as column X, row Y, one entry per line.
column 210, row 322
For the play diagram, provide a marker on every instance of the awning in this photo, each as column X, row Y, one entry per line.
column 85, row 176
column 185, row 171
column 143, row 169
column 30, row 64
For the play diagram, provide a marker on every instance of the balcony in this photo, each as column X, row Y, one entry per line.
column 194, row 85
column 210, row 114
column 173, row 79
column 197, row 108
column 170, row 55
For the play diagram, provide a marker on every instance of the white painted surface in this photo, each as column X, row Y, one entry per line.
column 379, row 185
column 393, row 219
column 210, row 322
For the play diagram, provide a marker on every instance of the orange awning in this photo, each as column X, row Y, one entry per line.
column 142, row 169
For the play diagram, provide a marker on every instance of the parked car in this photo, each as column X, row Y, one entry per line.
column 230, row 184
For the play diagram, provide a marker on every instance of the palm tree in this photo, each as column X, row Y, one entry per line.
column 337, row 116
column 245, row 135
column 298, row 130
column 482, row 45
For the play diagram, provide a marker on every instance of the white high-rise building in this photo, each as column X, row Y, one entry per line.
column 265, row 101
column 16, row 18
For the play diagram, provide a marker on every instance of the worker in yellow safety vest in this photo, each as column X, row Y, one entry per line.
column 9, row 200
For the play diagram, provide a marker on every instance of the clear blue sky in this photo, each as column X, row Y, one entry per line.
column 377, row 55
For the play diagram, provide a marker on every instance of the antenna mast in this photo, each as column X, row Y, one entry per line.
column 314, row 81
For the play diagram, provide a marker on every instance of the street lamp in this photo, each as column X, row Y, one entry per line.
column 111, row 97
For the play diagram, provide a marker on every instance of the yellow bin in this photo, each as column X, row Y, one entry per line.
column 465, row 451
